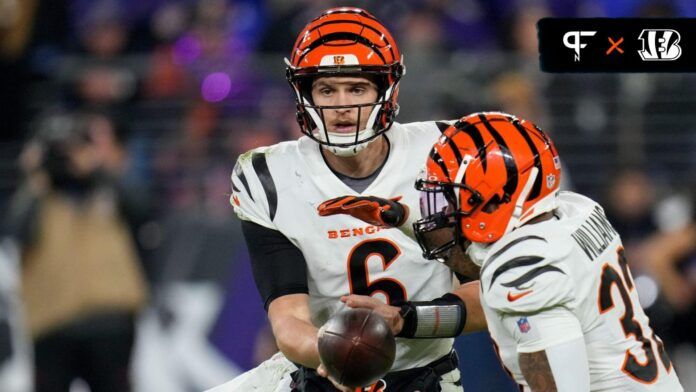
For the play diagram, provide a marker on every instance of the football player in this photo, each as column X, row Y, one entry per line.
column 556, row 288
column 356, row 165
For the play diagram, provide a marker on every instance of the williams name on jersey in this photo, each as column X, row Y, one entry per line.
column 569, row 272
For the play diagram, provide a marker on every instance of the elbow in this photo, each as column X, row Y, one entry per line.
column 476, row 324
column 475, row 317
column 287, row 348
column 298, row 347
column 285, row 343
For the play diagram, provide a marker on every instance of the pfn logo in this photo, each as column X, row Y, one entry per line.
column 659, row 45
column 575, row 43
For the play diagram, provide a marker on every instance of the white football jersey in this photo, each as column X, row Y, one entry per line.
column 574, row 262
column 280, row 187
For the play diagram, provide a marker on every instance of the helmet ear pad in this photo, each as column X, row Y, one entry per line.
column 303, row 118
column 389, row 110
column 489, row 222
column 303, row 87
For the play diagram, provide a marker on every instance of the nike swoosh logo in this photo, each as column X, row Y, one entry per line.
column 514, row 297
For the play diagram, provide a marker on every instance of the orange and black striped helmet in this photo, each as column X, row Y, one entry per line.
column 345, row 41
column 488, row 173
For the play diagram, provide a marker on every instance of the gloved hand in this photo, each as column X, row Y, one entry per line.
column 373, row 210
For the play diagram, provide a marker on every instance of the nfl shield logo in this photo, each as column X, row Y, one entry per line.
column 557, row 162
column 339, row 60
column 523, row 324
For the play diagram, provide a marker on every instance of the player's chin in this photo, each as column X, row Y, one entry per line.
column 458, row 261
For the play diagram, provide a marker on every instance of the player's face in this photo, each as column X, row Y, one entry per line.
column 436, row 231
column 340, row 91
column 439, row 238
column 455, row 256
column 437, row 234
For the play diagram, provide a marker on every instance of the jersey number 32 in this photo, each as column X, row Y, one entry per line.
column 644, row 372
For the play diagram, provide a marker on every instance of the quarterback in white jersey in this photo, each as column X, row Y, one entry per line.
column 280, row 188
column 315, row 211
column 556, row 288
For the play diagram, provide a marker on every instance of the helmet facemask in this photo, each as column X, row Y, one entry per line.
column 439, row 231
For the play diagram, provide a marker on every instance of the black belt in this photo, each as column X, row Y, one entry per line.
column 445, row 364
column 307, row 380
column 440, row 366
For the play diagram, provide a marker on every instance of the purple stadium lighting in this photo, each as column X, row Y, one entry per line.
column 216, row 87
column 187, row 49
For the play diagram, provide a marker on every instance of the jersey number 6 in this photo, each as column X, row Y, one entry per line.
column 358, row 271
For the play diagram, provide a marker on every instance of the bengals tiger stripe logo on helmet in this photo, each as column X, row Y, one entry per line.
column 488, row 173
column 345, row 41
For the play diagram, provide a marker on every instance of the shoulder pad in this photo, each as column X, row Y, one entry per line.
column 254, row 196
column 526, row 275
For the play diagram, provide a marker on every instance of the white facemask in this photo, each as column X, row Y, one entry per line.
column 347, row 138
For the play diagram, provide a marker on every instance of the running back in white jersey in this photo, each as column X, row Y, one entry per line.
column 280, row 187
column 574, row 262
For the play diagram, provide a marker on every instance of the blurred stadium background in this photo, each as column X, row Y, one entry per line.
column 173, row 91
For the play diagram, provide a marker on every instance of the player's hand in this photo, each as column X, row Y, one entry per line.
column 389, row 313
column 321, row 370
column 371, row 209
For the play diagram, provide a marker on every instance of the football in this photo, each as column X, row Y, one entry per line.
column 357, row 347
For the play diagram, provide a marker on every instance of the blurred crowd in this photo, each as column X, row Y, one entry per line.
column 122, row 118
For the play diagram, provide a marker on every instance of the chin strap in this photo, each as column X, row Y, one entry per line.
column 350, row 151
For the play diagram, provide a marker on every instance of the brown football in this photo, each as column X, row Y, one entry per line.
column 357, row 347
